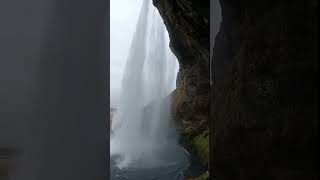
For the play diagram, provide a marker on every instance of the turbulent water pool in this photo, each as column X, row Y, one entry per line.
column 175, row 170
column 169, row 165
column 172, row 171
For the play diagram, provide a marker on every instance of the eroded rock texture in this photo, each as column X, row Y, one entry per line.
column 264, row 101
column 187, row 22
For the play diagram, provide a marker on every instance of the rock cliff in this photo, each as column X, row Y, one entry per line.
column 264, row 101
column 263, row 96
column 187, row 22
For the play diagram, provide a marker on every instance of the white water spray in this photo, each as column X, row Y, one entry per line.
column 142, row 129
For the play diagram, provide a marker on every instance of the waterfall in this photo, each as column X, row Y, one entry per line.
column 143, row 131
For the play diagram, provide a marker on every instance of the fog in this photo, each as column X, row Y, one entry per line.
column 123, row 19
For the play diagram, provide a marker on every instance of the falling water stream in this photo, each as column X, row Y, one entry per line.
column 143, row 140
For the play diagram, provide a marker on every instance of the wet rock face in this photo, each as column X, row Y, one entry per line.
column 264, row 108
column 188, row 26
column 187, row 23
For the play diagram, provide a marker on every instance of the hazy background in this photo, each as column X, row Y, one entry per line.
column 53, row 100
column 123, row 19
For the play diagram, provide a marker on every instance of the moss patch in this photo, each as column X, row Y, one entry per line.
column 197, row 143
column 201, row 145
column 204, row 176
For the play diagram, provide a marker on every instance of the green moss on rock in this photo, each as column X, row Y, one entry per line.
column 197, row 143
column 204, row 176
column 201, row 145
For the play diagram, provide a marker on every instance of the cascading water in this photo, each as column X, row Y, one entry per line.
column 143, row 133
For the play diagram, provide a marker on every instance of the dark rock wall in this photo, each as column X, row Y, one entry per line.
column 263, row 94
column 264, row 101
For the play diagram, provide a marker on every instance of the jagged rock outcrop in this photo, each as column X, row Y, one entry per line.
column 264, row 102
column 187, row 22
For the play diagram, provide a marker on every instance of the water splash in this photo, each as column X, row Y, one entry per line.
column 143, row 133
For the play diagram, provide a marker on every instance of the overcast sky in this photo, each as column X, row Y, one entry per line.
column 123, row 19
